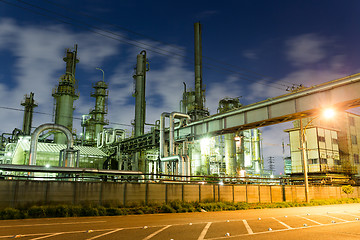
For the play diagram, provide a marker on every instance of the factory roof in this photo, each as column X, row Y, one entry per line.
column 56, row 148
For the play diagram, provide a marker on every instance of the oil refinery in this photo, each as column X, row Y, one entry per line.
column 158, row 151
column 185, row 142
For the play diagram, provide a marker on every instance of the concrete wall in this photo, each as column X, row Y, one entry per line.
column 25, row 193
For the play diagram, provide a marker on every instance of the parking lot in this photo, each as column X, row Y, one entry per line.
column 342, row 220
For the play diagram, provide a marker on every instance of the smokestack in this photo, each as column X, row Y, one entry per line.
column 140, row 103
column 29, row 105
column 198, row 67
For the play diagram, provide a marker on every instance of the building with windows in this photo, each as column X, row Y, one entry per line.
column 331, row 146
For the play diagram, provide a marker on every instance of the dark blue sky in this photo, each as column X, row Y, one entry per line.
column 253, row 49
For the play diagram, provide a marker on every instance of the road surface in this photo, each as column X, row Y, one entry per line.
column 322, row 222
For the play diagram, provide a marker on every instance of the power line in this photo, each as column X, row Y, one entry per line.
column 151, row 38
column 242, row 75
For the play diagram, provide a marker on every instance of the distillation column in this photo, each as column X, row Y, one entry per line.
column 29, row 104
column 140, row 103
column 101, row 94
column 65, row 94
column 140, row 106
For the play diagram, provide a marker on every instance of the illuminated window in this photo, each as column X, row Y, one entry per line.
column 335, row 141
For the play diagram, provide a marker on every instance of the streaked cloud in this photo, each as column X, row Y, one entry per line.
column 306, row 49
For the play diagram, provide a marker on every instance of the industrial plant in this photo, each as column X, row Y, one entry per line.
column 161, row 151
column 184, row 143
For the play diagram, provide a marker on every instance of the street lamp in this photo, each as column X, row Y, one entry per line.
column 327, row 113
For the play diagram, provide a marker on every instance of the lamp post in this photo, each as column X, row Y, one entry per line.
column 328, row 113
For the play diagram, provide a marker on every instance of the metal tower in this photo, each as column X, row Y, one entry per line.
column 98, row 113
column 193, row 102
column 140, row 103
column 65, row 94
column 29, row 105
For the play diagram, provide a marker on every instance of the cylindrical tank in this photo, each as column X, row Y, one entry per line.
column 230, row 154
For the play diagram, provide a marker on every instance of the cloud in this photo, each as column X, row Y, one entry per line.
column 250, row 54
column 306, row 49
column 38, row 64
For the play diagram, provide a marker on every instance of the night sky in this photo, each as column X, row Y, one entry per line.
column 251, row 49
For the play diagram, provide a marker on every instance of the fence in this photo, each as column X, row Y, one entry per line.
column 17, row 193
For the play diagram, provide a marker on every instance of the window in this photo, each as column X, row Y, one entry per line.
column 313, row 161
column 323, row 161
column 352, row 121
column 356, row 159
column 337, row 162
column 321, row 139
column 335, row 141
column 353, row 139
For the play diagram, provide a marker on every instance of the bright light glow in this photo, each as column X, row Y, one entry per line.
column 205, row 145
column 237, row 138
column 329, row 113
column 205, row 141
column 8, row 154
column 47, row 165
column 221, row 183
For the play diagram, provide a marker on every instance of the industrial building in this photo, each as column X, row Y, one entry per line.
column 159, row 151
column 331, row 147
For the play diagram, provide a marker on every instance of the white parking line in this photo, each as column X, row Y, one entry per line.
column 116, row 230
column 248, row 228
column 49, row 224
column 337, row 218
column 352, row 215
column 158, row 231
column 51, row 235
column 282, row 223
column 274, row 231
column 204, row 231
column 310, row 220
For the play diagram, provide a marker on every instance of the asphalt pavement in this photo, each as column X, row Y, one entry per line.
column 321, row 222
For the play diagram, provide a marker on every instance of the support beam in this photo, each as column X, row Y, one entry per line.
column 342, row 93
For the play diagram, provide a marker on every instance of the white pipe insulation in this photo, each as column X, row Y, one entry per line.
column 172, row 157
column 40, row 129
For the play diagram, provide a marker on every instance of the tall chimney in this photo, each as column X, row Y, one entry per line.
column 29, row 105
column 140, row 103
column 198, row 67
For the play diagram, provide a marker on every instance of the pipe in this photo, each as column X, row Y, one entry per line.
column 40, row 129
column 180, row 159
column 162, row 133
column 174, row 115
column 100, row 140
